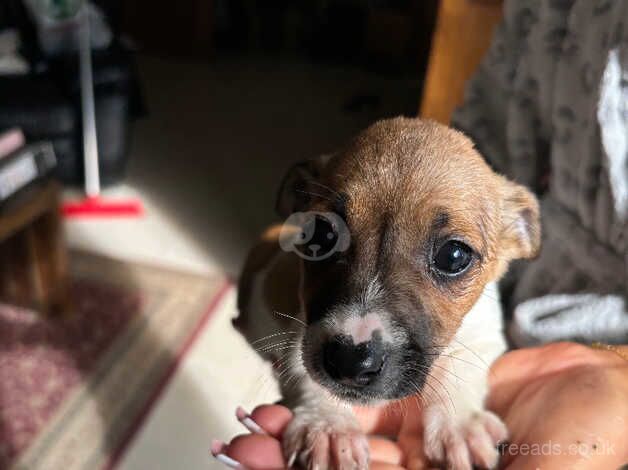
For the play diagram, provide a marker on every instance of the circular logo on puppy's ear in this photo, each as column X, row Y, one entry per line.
column 313, row 235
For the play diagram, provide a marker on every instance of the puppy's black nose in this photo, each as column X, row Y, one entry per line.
column 357, row 365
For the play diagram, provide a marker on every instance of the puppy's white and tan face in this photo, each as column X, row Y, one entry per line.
column 430, row 224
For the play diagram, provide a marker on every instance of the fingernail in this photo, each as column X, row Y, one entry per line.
column 217, row 450
column 229, row 462
column 217, row 447
column 248, row 422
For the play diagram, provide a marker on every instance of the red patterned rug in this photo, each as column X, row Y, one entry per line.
column 73, row 390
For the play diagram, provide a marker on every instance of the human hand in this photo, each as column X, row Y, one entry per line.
column 565, row 405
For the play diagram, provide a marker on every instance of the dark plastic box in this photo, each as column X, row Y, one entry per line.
column 46, row 103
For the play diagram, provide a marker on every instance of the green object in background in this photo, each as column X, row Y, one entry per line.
column 60, row 9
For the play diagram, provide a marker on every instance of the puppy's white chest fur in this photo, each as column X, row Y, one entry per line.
column 458, row 431
column 460, row 373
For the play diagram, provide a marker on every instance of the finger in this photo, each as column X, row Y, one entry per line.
column 385, row 451
column 518, row 368
column 374, row 420
column 272, row 418
column 384, row 466
column 418, row 463
column 385, row 420
column 412, row 447
column 256, row 452
column 342, row 451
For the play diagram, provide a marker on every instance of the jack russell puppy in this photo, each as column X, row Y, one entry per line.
column 381, row 284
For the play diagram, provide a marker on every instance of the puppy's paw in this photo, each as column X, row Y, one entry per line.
column 459, row 445
column 322, row 442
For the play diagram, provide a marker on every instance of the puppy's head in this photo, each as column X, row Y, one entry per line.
column 423, row 224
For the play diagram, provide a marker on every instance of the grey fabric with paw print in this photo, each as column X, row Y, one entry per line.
column 548, row 107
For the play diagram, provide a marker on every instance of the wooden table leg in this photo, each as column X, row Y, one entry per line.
column 34, row 264
column 49, row 258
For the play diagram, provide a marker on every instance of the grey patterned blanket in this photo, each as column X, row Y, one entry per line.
column 549, row 108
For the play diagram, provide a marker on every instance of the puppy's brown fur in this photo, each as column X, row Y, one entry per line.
column 422, row 170
column 402, row 186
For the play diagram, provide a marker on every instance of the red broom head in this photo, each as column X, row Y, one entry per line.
column 98, row 207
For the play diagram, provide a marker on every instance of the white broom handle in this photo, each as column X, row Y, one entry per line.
column 90, row 144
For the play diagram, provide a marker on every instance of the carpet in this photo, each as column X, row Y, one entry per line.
column 75, row 389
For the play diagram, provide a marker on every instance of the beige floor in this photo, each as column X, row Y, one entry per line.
column 219, row 372
column 206, row 163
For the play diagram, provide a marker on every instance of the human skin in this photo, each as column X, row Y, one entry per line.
column 566, row 406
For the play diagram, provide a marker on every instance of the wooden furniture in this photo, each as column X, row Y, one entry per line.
column 33, row 257
column 463, row 33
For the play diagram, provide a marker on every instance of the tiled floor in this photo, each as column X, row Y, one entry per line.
column 206, row 163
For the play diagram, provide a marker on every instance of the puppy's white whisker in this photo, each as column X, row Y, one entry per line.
column 312, row 193
column 272, row 347
column 267, row 380
column 442, row 386
column 284, row 370
column 285, row 363
column 448, row 373
column 472, row 352
column 488, row 296
column 324, row 186
column 299, row 378
column 298, row 320
column 283, row 348
column 481, row 367
column 287, row 367
column 272, row 336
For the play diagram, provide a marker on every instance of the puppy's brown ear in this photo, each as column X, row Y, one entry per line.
column 297, row 186
column 521, row 226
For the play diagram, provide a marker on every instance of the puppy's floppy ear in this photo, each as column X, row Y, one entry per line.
column 521, row 226
column 296, row 186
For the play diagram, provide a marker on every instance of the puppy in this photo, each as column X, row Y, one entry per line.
column 381, row 285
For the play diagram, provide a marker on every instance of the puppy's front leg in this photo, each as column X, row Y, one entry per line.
column 459, row 433
column 323, row 433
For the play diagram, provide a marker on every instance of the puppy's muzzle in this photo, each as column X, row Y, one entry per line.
column 355, row 365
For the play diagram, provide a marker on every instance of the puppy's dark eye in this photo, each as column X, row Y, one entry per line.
column 453, row 257
column 325, row 234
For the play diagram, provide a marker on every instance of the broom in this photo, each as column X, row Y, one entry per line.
column 93, row 205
